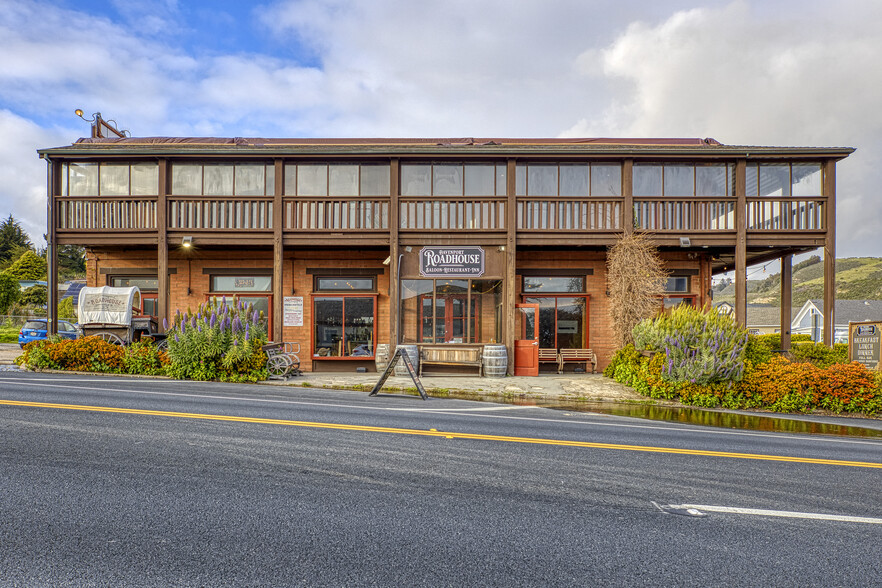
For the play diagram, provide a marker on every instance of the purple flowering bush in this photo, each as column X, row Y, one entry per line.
column 700, row 346
column 220, row 341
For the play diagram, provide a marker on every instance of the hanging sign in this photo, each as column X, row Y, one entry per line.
column 864, row 343
column 293, row 311
column 452, row 262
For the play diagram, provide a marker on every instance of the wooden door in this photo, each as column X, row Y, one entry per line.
column 526, row 348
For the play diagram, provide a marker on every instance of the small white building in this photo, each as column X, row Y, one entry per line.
column 810, row 318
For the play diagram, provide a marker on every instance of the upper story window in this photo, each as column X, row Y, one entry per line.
column 677, row 284
column 109, row 179
column 684, row 179
column 337, row 179
column 453, row 179
column 222, row 179
column 784, row 179
column 568, row 179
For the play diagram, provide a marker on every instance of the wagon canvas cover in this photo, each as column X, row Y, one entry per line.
column 108, row 305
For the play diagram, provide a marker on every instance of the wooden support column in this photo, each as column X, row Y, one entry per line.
column 786, row 300
column 829, row 252
column 740, row 243
column 51, row 252
column 628, row 194
column 394, row 257
column 510, row 286
column 278, row 253
column 162, row 281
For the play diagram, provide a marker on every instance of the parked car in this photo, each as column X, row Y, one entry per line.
column 35, row 329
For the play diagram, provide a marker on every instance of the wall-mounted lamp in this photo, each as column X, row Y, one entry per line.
column 685, row 242
column 100, row 125
column 388, row 260
column 502, row 248
column 408, row 248
column 187, row 242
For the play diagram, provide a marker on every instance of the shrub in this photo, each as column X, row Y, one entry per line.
column 701, row 346
column 819, row 354
column 218, row 342
column 9, row 291
column 36, row 295
column 89, row 354
column 29, row 266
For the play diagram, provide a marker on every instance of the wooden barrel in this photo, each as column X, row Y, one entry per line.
column 413, row 352
column 381, row 358
column 495, row 359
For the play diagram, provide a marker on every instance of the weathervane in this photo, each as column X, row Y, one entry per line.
column 99, row 125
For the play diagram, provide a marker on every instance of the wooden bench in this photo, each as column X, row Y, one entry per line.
column 450, row 355
column 548, row 355
column 577, row 356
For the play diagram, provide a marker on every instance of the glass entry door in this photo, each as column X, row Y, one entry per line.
column 526, row 348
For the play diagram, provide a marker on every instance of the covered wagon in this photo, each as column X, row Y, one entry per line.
column 114, row 314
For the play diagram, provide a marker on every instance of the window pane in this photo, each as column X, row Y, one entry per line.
column 542, row 180
column 415, row 179
column 375, row 180
column 679, row 180
column 774, row 179
column 752, row 179
column 64, row 173
column 547, row 321
column 501, row 180
column 142, row 283
column 710, row 180
column 677, row 284
column 358, row 327
column 145, row 179
column 571, row 323
column 574, row 180
column 312, row 180
column 486, row 297
column 328, row 327
column 562, row 284
column 218, row 180
column 521, row 180
column 290, row 180
column 807, row 179
column 606, row 180
column 345, row 284
column 447, row 180
column 270, row 179
column 647, row 180
column 241, row 283
column 414, row 293
column 114, row 180
column 186, row 180
column 250, row 180
column 479, row 179
column 83, row 179
column 343, row 180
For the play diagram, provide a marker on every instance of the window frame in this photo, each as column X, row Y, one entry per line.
column 312, row 335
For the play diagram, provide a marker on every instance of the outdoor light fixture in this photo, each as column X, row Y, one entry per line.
column 502, row 248
column 685, row 242
column 187, row 242
column 388, row 260
column 408, row 248
column 100, row 125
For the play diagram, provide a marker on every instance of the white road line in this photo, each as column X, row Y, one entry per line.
column 464, row 411
column 777, row 513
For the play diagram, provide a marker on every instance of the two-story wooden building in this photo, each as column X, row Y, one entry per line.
column 347, row 243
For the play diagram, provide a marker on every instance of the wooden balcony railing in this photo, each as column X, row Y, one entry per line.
column 220, row 213
column 692, row 214
column 103, row 213
column 786, row 214
column 570, row 214
column 452, row 215
column 336, row 215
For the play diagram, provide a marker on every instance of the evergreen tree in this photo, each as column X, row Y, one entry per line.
column 9, row 291
column 13, row 239
column 29, row 266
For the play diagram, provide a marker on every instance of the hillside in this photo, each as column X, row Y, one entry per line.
column 857, row 278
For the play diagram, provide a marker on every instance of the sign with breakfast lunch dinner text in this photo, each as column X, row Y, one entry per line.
column 452, row 262
column 864, row 343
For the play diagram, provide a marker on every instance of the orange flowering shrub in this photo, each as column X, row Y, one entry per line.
column 93, row 354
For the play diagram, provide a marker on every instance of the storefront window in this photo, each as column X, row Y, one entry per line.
column 344, row 326
column 562, row 321
column 451, row 311
column 246, row 289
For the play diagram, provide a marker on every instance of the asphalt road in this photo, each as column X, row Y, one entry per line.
column 118, row 482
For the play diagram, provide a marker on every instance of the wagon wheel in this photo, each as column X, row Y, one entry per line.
column 162, row 345
column 110, row 338
column 278, row 365
column 295, row 363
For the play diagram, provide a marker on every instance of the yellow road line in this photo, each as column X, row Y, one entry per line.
column 447, row 434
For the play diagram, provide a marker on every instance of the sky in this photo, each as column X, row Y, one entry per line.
column 744, row 72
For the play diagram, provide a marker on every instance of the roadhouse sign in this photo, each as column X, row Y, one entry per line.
column 452, row 262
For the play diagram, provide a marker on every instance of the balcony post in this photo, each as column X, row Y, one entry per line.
column 510, row 289
column 162, row 280
column 741, row 242
column 51, row 253
column 278, row 253
column 628, row 195
column 829, row 252
column 394, row 258
column 786, row 299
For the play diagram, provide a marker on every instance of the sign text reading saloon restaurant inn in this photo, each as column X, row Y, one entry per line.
column 460, row 262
